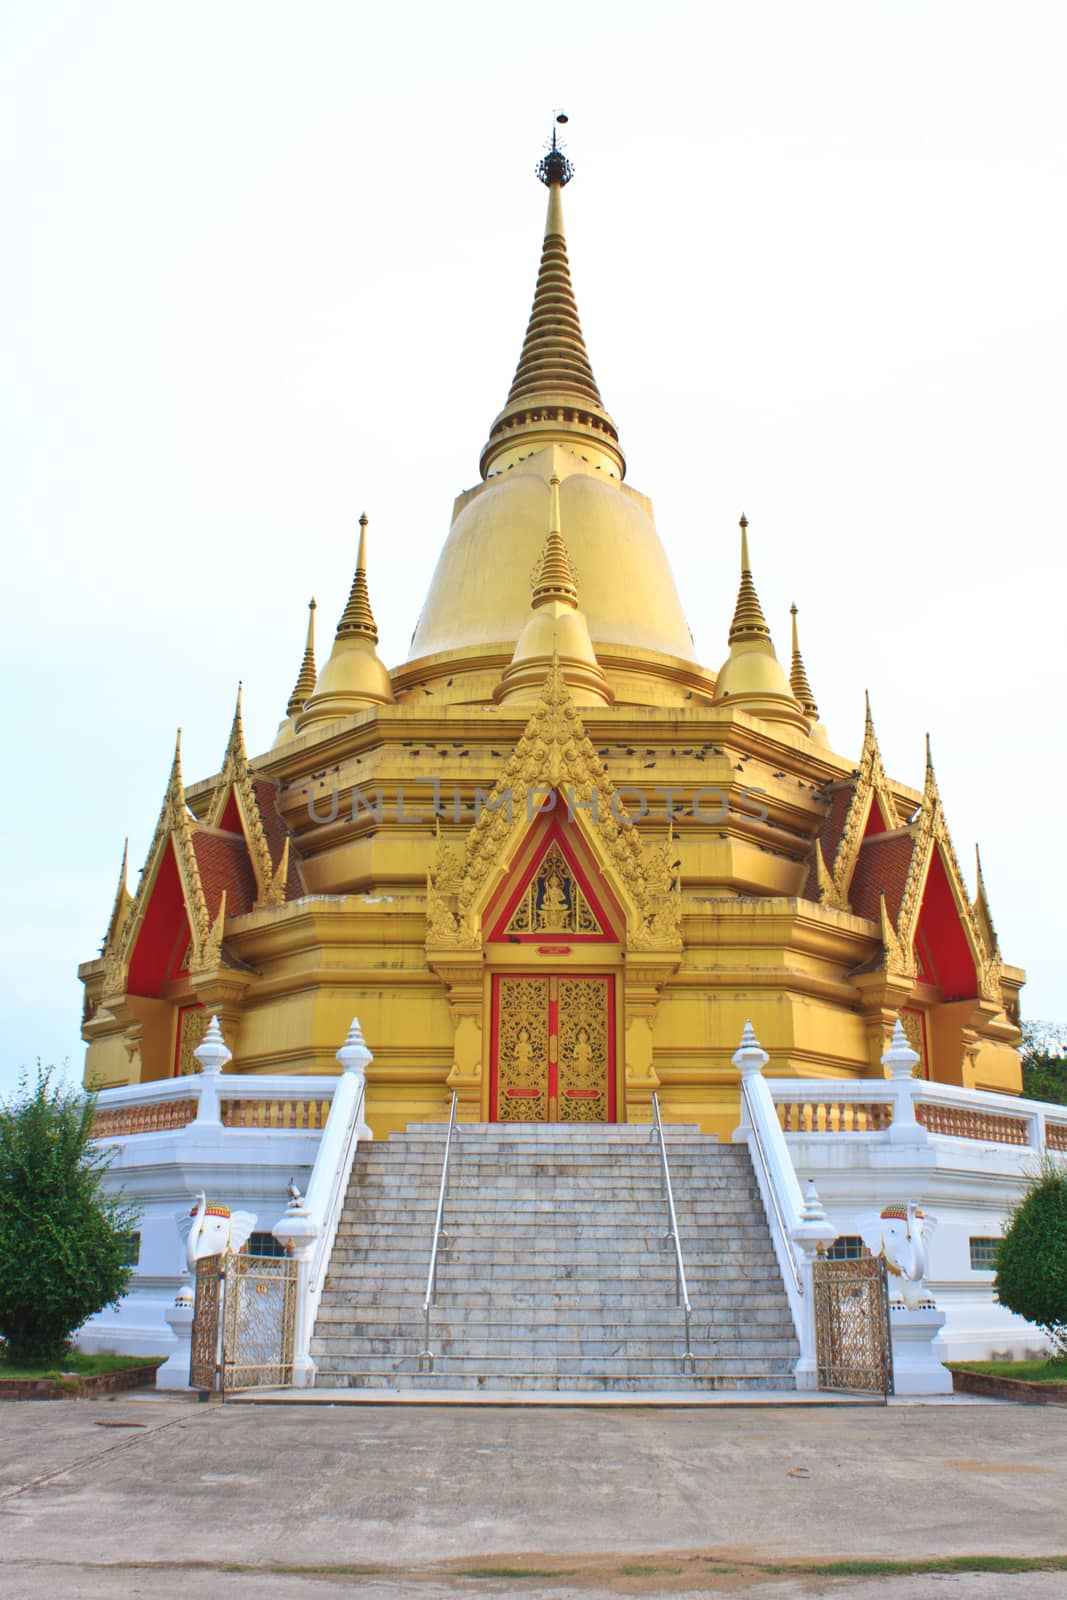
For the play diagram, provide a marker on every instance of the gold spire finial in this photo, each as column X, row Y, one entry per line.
column 358, row 618
column 749, row 621
column 556, row 581
column 237, row 726
column 930, row 791
column 554, row 396
column 304, row 687
column 798, row 677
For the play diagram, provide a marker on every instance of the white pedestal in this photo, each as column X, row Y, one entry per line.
column 917, row 1351
column 174, row 1373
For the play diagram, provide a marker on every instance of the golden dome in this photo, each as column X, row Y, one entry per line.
column 479, row 593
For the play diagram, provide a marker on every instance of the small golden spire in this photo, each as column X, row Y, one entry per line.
column 798, row 678
column 749, row 621
column 556, row 581
column 358, row 618
column 304, row 687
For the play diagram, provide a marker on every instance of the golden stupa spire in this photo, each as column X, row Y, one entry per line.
column 304, row 686
column 554, row 395
column 353, row 677
column 752, row 678
column 556, row 581
column 749, row 621
column 798, row 677
column 358, row 618
column 557, row 632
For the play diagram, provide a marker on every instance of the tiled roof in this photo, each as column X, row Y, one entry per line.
column 276, row 832
column 224, row 865
column 881, row 868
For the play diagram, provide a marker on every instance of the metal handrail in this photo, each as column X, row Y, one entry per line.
column 681, row 1287
column 426, row 1356
column 772, row 1189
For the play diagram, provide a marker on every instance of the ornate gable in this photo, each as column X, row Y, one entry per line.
column 174, row 832
column 848, row 823
column 934, row 869
column 237, row 801
column 553, row 764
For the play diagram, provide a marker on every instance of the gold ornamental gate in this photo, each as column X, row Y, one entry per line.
column 244, row 1322
column 852, row 1340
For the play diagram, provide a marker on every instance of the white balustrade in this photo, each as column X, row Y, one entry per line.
column 309, row 1227
column 798, row 1223
column 906, row 1110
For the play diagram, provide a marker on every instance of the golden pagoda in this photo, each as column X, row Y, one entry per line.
column 552, row 861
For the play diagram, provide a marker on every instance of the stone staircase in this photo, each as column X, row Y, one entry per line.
column 555, row 1274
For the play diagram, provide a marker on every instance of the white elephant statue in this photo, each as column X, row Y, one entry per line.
column 211, row 1230
column 902, row 1235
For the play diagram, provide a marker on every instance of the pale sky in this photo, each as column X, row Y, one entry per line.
column 266, row 265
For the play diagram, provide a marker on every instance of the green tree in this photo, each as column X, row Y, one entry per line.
column 62, row 1238
column 1032, row 1256
column 1043, row 1054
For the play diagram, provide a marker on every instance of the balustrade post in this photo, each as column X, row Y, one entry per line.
column 212, row 1055
column 900, row 1060
column 299, row 1232
column 811, row 1236
column 355, row 1059
column 1035, row 1129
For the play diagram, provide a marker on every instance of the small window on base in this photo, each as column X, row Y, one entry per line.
column 847, row 1247
column 983, row 1254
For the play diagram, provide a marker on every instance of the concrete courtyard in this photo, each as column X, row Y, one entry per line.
column 145, row 1495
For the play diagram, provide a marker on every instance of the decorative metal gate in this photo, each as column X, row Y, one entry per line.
column 205, row 1355
column 852, row 1339
column 244, row 1322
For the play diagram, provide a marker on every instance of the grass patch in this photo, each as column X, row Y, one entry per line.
column 636, row 1570
column 888, row 1569
column 511, row 1572
column 1052, row 1370
column 77, row 1362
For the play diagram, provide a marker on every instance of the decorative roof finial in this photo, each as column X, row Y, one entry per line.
column 304, row 687
column 554, row 166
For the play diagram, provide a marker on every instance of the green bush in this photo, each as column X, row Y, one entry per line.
column 63, row 1248
column 1032, row 1256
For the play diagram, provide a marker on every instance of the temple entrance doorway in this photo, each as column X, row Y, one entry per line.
column 552, row 1055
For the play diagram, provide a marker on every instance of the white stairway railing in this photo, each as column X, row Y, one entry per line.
column 798, row 1222
column 309, row 1227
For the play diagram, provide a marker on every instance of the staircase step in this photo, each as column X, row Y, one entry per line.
column 555, row 1272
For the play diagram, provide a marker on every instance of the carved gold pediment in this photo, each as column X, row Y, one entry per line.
column 554, row 757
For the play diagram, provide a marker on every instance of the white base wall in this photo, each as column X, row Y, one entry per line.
column 246, row 1169
column 969, row 1187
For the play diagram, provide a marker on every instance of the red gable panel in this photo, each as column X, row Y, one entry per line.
column 164, row 932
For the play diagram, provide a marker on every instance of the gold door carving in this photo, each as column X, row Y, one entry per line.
column 584, row 1050
column 553, row 1049
column 522, row 1050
